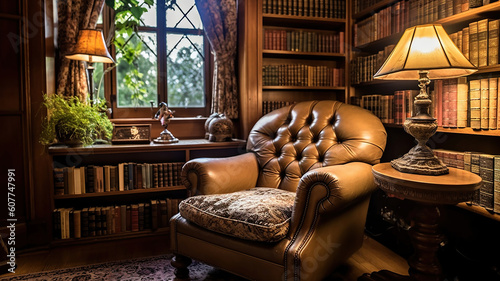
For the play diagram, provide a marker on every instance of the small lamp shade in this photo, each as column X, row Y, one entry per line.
column 90, row 47
column 425, row 47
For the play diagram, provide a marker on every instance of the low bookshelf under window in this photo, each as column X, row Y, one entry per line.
column 104, row 192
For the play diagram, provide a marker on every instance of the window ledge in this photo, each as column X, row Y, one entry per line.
column 150, row 120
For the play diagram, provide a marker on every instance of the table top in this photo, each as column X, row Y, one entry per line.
column 455, row 187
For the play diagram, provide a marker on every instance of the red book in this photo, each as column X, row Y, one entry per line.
column 445, row 104
column 452, row 104
column 438, row 102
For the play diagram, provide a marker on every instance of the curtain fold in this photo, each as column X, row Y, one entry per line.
column 219, row 18
column 74, row 15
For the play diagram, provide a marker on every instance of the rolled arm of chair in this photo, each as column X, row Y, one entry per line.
column 220, row 175
column 331, row 188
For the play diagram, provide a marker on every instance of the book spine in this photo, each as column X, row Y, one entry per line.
column 462, row 102
column 59, row 181
column 486, row 173
column 484, row 104
column 496, row 184
column 492, row 103
column 465, row 42
column 475, row 169
column 493, row 30
column 475, row 104
column 453, row 96
column 473, row 43
column 482, row 37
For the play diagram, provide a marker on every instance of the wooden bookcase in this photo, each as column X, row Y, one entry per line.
column 102, row 155
column 458, row 139
column 300, row 44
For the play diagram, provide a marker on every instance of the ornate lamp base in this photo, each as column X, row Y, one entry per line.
column 166, row 137
column 420, row 159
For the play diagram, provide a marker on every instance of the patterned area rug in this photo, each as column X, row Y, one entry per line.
column 147, row 269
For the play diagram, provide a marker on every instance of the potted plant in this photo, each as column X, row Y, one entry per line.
column 73, row 122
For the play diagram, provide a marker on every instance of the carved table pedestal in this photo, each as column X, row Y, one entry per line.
column 428, row 192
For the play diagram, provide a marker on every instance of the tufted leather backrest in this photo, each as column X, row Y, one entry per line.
column 298, row 138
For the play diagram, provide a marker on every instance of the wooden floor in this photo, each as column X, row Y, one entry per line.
column 371, row 257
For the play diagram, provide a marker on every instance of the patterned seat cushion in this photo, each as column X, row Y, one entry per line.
column 259, row 214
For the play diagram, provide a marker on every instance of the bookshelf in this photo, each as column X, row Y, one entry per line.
column 454, row 21
column 107, row 204
column 302, row 54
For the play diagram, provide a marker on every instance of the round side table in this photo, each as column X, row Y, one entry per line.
column 428, row 192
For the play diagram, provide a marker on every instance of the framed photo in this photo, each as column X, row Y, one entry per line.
column 130, row 133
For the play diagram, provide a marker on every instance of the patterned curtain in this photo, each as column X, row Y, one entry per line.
column 219, row 21
column 74, row 15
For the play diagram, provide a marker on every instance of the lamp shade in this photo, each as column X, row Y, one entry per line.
column 90, row 47
column 425, row 47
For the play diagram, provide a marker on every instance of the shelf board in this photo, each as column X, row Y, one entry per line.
column 487, row 69
column 471, row 14
column 379, row 44
column 377, row 6
column 479, row 210
column 464, row 131
column 286, row 88
column 294, row 54
column 302, row 21
column 193, row 144
column 122, row 235
column 118, row 193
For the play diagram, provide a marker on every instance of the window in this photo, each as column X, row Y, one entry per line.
column 166, row 58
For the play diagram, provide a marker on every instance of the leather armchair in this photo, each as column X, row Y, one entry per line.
column 320, row 150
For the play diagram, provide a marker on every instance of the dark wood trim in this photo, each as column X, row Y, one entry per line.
column 195, row 144
column 119, row 193
column 112, row 237
column 464, row 131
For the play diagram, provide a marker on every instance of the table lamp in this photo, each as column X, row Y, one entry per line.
column 90, row 47
column 424, row 52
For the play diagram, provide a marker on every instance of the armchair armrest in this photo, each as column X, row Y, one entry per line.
column 328, row 189
column 220, row 175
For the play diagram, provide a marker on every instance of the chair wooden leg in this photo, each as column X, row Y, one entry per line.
column 180, row 263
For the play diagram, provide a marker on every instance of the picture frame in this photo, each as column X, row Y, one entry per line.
column 131, row 133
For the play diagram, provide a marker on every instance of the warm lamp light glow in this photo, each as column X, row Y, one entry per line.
column 90, row 47
column 424, row 52
column 425, row 47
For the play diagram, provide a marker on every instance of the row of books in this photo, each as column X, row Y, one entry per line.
column 456, row 104
column 382, row 106
column 391, row 109
column 450, row 6
column 309, row 8
column 479, row 42
column 303, row 41
column 363, row 68
column 403, row 14
column 100, row 221
column 268, row 106
column 124, row 176
column 473, row 104
column 487, row 166
column 302, row 75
